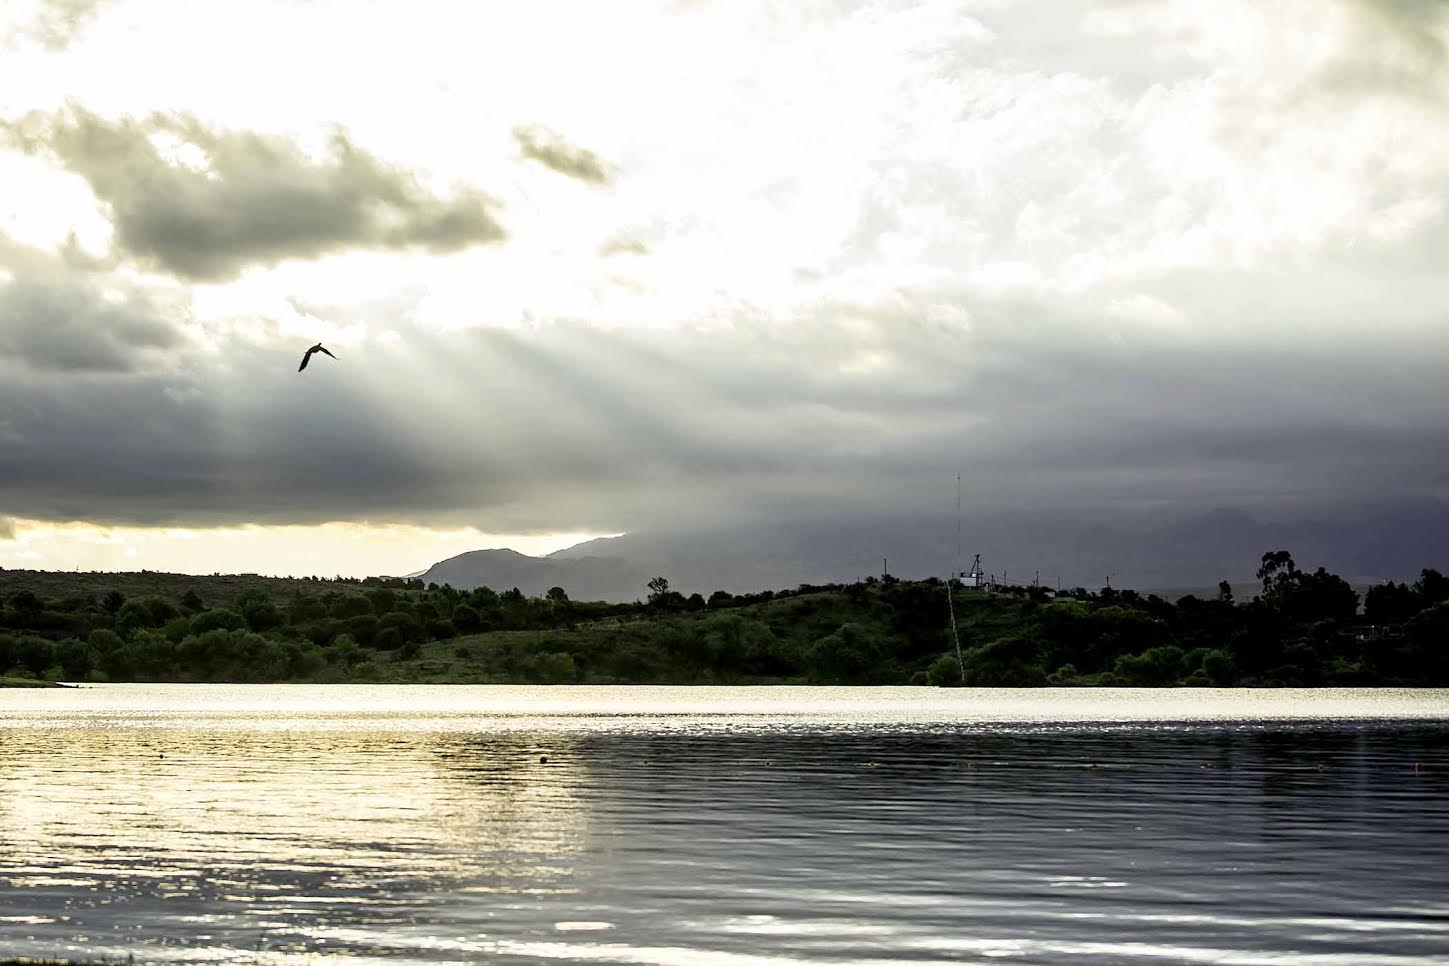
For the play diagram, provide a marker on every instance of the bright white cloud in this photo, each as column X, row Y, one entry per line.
column 1023, row 179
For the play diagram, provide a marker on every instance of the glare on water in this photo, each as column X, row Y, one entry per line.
column 723, row 826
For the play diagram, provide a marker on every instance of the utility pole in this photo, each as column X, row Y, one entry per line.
column 955, row 636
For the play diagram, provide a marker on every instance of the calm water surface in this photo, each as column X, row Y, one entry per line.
column 724, row 826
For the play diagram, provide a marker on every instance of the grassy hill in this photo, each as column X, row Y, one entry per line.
column 1304, row 629
column 25, row 683
column 217, row 590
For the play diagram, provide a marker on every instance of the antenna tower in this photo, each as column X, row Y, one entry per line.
column 958, row 523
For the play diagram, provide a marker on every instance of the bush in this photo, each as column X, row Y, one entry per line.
column 848, row 654
column 144, row 612
column 1066, row 674
column 103, row 641
column 351, row 605
column 1007, row 662
column 555, row 668
column 260, row 613
column 1155, row 667
column 408, row 627
column 944, row 670
column 466, row 619
column 74, row 659
column 344, row 651
column 1219, row 667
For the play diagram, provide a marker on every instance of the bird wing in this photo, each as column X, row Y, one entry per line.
column 306, row 359
column 320, row 349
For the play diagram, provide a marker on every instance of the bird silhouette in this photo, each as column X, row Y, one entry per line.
column 308, row 357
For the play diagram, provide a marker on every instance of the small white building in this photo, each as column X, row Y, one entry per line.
column 972, row 579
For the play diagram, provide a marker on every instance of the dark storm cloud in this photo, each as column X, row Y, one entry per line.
column 55, row 319
column 825, row 427
column 554, row 152
column 257, row 199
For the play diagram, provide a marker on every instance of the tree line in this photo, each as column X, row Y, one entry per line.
column 1297, row 628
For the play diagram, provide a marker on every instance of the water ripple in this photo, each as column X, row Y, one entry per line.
column 275, row 825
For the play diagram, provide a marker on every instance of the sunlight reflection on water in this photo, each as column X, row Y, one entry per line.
column 724, row 825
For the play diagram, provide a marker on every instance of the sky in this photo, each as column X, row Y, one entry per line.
column 592, row 269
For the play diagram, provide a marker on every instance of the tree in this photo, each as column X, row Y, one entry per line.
column 1154, row 667
column 74, row 659
column 849, row 653
column 1321, row 596
column 210, row 620
column 1225, row 592
column 1428, row 652
column 658, row 587
column 383, row 601
column 1276, row 570
column 1011, row 661
column 558, row 595
column 259, row 611
column 344, row 651
column 351, row 605
column 408, row 628
column 1305, row 597
column 466, row 619
column 143, row 612
column 1391, row 603
column 1218, row 665
column 1432, row 586
column 943, row 671
column 103, row 641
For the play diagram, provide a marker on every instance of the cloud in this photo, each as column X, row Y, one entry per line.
column 7, row 527
column 55, row 319
column 1123, row 260
column 566, row 426
column 216, row 202
column 554, row 152
column 1400, row 47
column 623, row 246
column 57, row 23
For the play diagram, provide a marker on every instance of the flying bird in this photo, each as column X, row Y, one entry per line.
column 308, row 357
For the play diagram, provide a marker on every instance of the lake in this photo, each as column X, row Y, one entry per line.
column 724, row 826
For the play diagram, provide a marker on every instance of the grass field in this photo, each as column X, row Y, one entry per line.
column 24, row 683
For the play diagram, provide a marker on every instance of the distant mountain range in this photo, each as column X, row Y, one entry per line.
column 1191, row 552
column 613, row 569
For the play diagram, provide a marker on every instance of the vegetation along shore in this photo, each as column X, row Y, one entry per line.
column 1294, row 628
